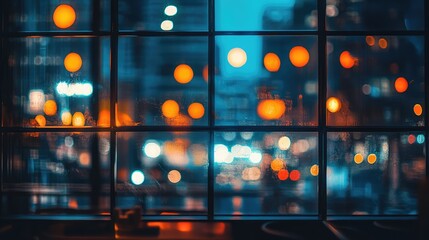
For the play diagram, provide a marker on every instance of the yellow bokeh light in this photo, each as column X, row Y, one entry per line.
column 183, row 73
column 271, row 109
column 174, row 176
column 64, row 16
column 170, row 109
column 401, row 84
column 50, row 108
column 358, row 158
column 284, row 143
column 418, row 109
column 333, row 104
column 66, row 118
column 78, row 119
column 382, row 43
column 372, row 158
column 277, row 164
column 299, row 56
column 237, row 57
column 314, row 170
column 272, row 62
column 41, row 120
column 347, row 60
column 196, row 110
column 370, row 40
column 72, row 62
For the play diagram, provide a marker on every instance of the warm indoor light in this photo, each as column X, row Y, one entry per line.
column 174, row 176
column 277, row 164
column 284, row 143
column 401, row 84
column 66, row 118
column 64, row 16
column 272, row 62
column 196, row 110
column 167, row 25
column 50, row 108
column 78, row 119
column 333, row 104
column 347, row 60
column 299, row 56
column 283, row 174
column 382, row 43
column 418, row 109
column 314, row 170
column 370, row 40
column 237, row 57
column 294, row 175
column 271, row 109
column 183, row 73
column 73, row 62
column 170, row 109
column 372, row 158
column 358, row 158
column 41, row 120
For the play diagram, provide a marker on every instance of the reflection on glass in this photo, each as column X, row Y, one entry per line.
column 163, row 173
column 154, row 15
column 266, row 80
column 375, row 15
column 256, row 15
column 162, row 81
column 374, row 173
column 375, row 80
column 55, row 173
column 57, row 82
column 265, row 173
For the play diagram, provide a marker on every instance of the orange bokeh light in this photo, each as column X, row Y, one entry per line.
column 418, row 109
column 50, row 108
column 41, row 120
column 333, row 104
column 372, row 158
column 66, row 118
column 271, row 109
column 299, row 56
column 64, row 16
column 183, row 73
column 370, row 40
column 358, row 158
column 295, row 175
column 206, row 73
column 170, row 109
column 314, row 170
column 196, row 110
column 401, row 84
column 277, row 164
column 283, row 174
column 382, row 43
column 272, row 62
column 78, row 119
column 184, row 226
column 347, row 60
column 73, row 62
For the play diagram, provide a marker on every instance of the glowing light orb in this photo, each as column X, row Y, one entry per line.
column 358, row 158
column 277, row 164
column 41, row 120
column 255, row 157
column 137, row 177
column 170, row 10
column 167, row 25
column 418, row 109
column 64, row 16
column 66, row 118
column 272, row 62
column 183, row 73
column 271, row 109
column 73, row 62
column 314, row 170
column 370, row 40
column 299, row 56
column 283, row 174
column 333, row 104
column 411, row 139
column 85, row 159
column 196, row 110
column 372, row 158
column 382, row 43
column 237, row 57
column 284, row 143
column 174, row 176
column 78, row 119
column 295, row 175
column 50, row 108
column 347, row 60
column 152, row 149
column 170, row 109
column 401, row 84
column 420, row 139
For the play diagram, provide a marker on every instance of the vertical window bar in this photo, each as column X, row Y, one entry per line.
column 211, row 99
column 426, row 64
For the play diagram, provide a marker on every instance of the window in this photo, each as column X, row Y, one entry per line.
column 212, row 109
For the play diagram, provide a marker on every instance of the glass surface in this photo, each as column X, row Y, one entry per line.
column 41, row 15
column 266, row 80
column 44, row 88
column 374, row 173
column 257, row 15
column 265, row 173
column 55, row 173
column 154, row 15
column 163, row 173
column 160, row 78
column 375, row 15
column 375, row 81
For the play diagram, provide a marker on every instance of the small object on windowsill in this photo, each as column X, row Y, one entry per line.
column 127, row 223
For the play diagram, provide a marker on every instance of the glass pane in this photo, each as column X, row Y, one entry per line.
column 163, row 173
column 375, row 80
column 56, row 173
column 40, row 15
column 374, row 173
column 375, row 15
column 57, row 82
column 265, row 173
column 154, row 15
column 163, row 81
column 266, row 80
column 257, row 15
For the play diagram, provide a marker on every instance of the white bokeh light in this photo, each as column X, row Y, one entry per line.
column 237, row 57
column 170, row 10
column 152, row 149
column 167, row 25
column 137, row 177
